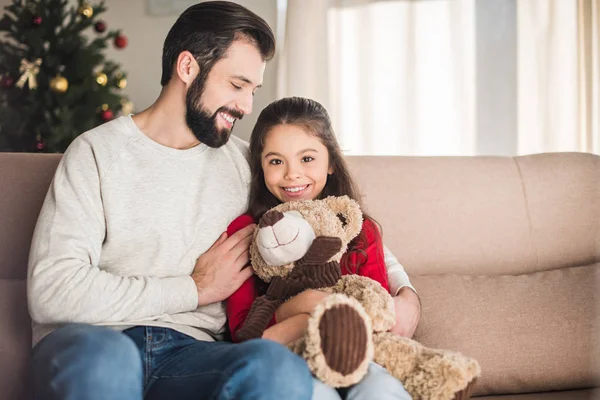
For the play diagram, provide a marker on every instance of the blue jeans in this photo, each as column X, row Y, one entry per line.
column 87, row 362
column 377, row 384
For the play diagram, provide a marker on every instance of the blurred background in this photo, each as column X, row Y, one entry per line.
column 410, row 77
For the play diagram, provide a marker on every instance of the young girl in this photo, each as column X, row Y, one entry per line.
column 294, row 155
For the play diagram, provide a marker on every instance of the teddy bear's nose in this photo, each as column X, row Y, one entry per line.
column 270, row 219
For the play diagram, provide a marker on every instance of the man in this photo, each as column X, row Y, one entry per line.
column 125, row 280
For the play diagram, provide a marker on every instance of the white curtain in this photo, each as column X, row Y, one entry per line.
column 399, row 76
column 396, row 76
column 550, row 85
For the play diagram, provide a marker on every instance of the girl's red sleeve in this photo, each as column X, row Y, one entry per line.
column 240, row 302
column 374, row 265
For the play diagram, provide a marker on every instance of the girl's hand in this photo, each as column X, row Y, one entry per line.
column 408, row 312
column 304, row 303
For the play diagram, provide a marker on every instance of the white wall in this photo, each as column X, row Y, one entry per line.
column 141, row 59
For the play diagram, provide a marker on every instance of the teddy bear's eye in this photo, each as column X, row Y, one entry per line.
column 343, row 219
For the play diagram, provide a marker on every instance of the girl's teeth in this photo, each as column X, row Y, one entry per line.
column 296, row 189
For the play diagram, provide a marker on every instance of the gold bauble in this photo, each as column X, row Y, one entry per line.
column 86, row 10
column 122, row 83
column 127, row 107
column 101, row 78
column 59, row 84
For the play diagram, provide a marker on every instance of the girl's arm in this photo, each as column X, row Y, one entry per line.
column 289, row 330
column 292, row 316
column 406, row 301
column 396, row 274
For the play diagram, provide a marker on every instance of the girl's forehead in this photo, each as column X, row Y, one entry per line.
column 291, row 139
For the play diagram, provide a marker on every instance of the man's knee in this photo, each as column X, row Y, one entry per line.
column 87, row 354
column 275, row 361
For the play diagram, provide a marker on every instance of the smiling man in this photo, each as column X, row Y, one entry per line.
column 129, row 266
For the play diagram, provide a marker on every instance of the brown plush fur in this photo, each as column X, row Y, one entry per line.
column 426, row 373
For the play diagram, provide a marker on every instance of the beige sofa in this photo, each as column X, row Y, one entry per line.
column 504, row 252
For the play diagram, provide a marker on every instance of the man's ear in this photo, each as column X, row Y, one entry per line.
column 187, row 68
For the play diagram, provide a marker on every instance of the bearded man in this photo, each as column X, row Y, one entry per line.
column 129, row 264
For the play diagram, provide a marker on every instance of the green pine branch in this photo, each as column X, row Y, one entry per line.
column 30, row 117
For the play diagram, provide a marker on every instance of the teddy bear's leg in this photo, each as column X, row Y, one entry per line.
column 427, row 374
column 338, row 342
column 376, row 301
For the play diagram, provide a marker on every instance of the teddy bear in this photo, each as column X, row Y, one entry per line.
column 297, row 246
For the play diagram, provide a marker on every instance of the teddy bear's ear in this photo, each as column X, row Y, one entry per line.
column 348, row 211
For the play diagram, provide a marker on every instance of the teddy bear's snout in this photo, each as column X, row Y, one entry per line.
column 270, row 219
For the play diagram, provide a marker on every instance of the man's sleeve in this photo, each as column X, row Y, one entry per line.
column 64, row 281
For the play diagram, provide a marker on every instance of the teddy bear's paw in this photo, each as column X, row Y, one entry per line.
column 443, row 375
column 376, row 301
column 338, row 341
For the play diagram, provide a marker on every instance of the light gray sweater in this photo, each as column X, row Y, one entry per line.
column 122, row 226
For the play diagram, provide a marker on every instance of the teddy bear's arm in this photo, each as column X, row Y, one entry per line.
column 321, row 250
column 263, row 308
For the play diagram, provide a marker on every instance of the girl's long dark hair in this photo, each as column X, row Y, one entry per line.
column 312, row 117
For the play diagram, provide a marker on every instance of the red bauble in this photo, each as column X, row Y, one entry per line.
column 107, row 115
column 7, row 82
column 121, row 41
column 37, row 20
column 100, row 26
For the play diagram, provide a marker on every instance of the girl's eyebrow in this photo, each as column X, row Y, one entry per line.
column 274, row 153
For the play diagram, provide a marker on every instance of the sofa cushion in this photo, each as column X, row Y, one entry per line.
column 583, row 394
column 511, row 323
column 15, row 339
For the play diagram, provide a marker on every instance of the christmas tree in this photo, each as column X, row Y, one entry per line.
column 55, row 82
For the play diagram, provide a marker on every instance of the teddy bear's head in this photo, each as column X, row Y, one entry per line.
column 286, row 232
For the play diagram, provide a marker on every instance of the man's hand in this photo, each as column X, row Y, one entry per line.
column 222, row 269
column 408, row 312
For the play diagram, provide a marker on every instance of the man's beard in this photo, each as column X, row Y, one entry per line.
column 202, row 124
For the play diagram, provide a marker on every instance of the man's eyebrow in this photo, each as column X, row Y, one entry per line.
column 244, row 79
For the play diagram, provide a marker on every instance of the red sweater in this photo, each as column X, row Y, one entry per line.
column 370, row 261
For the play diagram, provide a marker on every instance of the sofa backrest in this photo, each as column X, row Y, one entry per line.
column 24, row 181
column 492, row 215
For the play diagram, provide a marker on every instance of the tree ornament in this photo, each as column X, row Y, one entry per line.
column 120, row 41
column 122, row 83
column 7, row 82
column 126, row 107
column 106, row 113
column 59, row 84
column 29, row 72
column 37, row 20
column 101, row 79
column 100, row 26
column 86, row 10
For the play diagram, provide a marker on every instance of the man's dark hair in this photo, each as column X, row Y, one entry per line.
column 207, row 30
